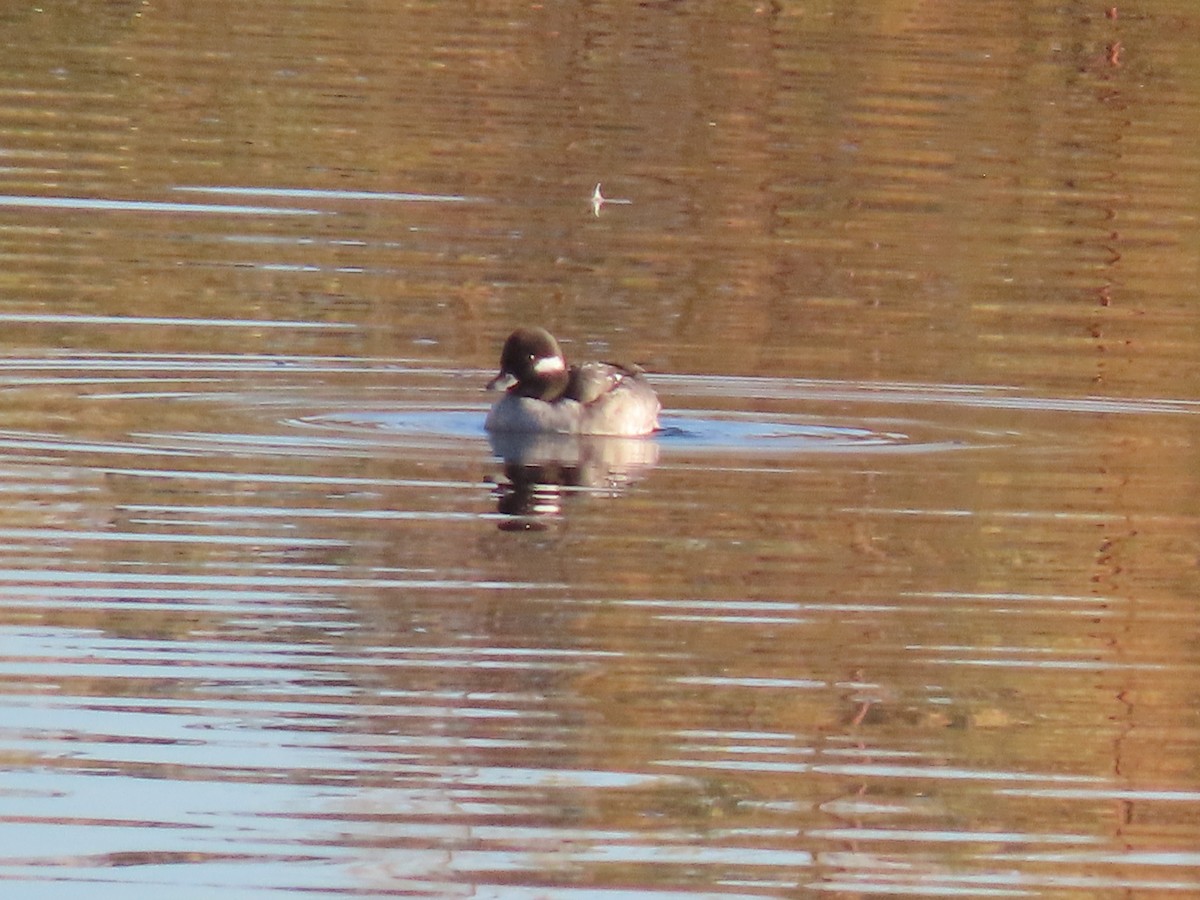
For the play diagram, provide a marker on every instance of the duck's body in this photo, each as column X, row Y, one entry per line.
column 543, row 395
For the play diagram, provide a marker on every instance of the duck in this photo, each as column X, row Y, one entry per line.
column 545, row 395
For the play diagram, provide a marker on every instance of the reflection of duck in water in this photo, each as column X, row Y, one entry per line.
column 543, row 395
column 538, row 468
column 560, row 426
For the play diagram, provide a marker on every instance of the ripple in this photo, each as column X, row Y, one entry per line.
column 314, row 194
column 752, row 433
column 94, row 204
column 977, row 396
column 411, row 424
column 692, row 431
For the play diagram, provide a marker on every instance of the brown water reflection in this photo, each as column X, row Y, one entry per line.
column 900, row 602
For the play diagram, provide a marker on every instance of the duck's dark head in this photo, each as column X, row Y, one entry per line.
column 531, row 365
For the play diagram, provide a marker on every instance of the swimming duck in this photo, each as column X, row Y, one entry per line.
column 543, row 395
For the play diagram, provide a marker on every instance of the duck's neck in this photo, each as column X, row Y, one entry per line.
column 548, row 386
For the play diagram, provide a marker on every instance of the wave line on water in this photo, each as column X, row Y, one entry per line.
column 317, row 194
column 12, row 579
column 106, row 205
column 69, row 318
column 969, row 395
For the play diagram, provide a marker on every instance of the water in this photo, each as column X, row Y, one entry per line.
column 900, row 602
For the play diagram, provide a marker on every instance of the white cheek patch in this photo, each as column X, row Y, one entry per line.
column 549, row 365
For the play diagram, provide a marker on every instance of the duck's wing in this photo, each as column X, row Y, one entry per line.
column 591, row 381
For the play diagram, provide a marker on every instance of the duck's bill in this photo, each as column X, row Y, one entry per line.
column 502, row 382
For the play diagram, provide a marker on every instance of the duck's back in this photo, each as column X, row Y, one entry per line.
column 589, row 382
column 615, row 400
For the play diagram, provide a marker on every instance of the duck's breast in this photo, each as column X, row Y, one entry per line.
column 526, row 414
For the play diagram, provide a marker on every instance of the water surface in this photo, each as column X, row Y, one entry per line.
column 900, row 602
